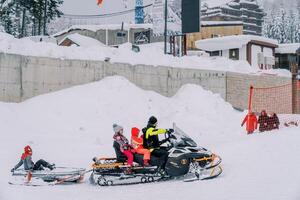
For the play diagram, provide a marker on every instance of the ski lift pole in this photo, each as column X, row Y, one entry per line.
column 250, row 99
column 166, row 26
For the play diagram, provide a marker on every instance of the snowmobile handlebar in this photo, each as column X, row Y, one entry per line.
column 168, row 136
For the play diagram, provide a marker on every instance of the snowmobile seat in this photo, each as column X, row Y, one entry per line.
column 138, row 158
column 120, row 156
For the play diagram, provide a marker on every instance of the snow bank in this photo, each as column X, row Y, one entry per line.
column 76, row 123
column 96, row 106
column 150, row 54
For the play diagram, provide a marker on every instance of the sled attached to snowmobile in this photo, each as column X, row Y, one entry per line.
column 57, row 175
column 185, row 161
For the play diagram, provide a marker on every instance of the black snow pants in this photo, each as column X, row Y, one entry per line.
column 162, row 155
column 40, row 164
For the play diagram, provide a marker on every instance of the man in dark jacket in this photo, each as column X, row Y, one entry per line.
column 26, row 159
column 263, row 121
column 151, row 140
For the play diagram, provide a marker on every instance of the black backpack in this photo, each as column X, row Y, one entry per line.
column 145, row 142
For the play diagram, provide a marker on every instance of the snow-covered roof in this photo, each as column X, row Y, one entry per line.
column 82, row 40
column 95, row 28
column 287, row 48
column 230, row 42
column 215, row 3
column 211, row 23
column 41, row 38
column 222, row 3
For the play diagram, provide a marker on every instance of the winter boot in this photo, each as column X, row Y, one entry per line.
column 51, row 166
column 161, row 172
column 146, row 163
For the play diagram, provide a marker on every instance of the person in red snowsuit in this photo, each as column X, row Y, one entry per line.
column 137, row 144
column 251, row 124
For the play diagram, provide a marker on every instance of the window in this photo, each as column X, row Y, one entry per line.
column 234, row 54
column 215, row 35
column 121, row 34
column 215, row 53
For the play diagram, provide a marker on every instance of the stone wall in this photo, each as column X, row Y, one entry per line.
column 23, row 77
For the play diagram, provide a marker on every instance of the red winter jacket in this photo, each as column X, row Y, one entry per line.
column 251, row 122
column 136, row 141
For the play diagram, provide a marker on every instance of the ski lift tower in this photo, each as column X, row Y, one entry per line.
column 139, row 12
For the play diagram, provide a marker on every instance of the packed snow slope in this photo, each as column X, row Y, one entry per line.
column 72, row 126
column 150, row 54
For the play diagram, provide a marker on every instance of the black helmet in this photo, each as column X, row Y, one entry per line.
column 152, row 120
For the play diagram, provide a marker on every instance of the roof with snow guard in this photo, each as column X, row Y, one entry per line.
column 221, row 23
column 288, row 48
column 82, row 41
column 95, row 28
column 232, row 42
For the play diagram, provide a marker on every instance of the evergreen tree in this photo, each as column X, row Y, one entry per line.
column 282, row 21
column 18, row 16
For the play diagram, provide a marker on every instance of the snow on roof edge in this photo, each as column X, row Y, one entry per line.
column 287, row 48
column 229, row 42
column 82, row 40
column 95, row 28
column 205, row 23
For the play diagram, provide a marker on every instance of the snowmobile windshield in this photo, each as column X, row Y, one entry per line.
column 182, row 139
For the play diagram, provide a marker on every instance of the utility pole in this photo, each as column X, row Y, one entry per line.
column 23, row 22
column 166, row 26
column 45, row 17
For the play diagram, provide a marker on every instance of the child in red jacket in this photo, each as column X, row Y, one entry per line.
column 137, row 144
column 251, row 122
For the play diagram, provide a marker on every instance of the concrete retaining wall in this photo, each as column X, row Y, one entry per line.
column 23, row 77
column 10, row 77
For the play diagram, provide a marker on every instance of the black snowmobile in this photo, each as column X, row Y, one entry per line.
column 186, row 161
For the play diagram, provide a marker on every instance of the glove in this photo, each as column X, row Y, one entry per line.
column 170, row 130
column 163, row 141
column 133, row 150
column 12, row 170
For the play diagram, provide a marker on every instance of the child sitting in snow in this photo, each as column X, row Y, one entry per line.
column 29, row 164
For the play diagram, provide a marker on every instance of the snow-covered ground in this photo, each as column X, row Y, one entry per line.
column 71, row 126
column 150, row 54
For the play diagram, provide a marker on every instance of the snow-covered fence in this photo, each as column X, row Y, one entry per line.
column 23, row 77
